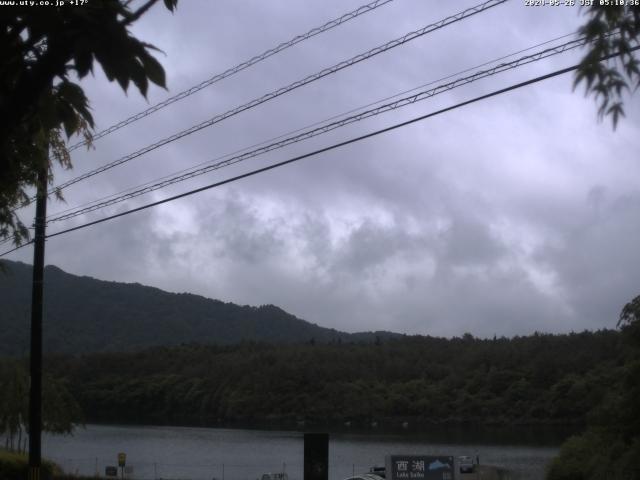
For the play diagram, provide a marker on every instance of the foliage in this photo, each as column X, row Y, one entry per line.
column 540, row 379
column 14, row 394
column 597, row 454
column 610, row 447
column 41, row 51
column 15, row 466
column 60, row 409
column 608, row 79
column 629, row 322
column 630, row 314
column 581, row 457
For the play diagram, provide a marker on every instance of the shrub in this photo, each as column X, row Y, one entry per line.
column 15, row 466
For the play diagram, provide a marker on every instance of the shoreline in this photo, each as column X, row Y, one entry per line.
column 533, row 436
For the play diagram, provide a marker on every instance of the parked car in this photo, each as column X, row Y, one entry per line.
column 465, row 464
column 366, row 476
column 379, row 471
column 274, row 476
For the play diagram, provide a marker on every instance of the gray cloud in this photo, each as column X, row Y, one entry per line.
column 505, row 217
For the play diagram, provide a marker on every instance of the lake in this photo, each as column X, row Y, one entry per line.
column 230, row 454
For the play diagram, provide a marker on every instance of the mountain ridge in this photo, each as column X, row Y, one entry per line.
column 84, row 314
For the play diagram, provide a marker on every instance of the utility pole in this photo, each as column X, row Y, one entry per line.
column 35, row 362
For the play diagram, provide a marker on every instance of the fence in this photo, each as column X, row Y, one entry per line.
column 140, row 470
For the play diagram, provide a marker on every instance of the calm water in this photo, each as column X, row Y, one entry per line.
column 224, row 454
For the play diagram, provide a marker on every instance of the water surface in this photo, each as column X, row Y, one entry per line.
column 228, row 454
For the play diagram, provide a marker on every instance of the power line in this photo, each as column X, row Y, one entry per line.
column 420, row 96
column 314, row 124
column 238, row 68
column 321, row 150
column 18, row 247
column 281, row 91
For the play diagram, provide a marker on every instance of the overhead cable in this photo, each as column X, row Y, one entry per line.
column 281, row 91
column 402, row 102
column 17, row 247
column 238, row 68
column 306, row 127
column 319, row 151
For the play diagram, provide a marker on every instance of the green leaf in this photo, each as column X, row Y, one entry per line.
column 138, row 77
column 616, row 111
column 153, row 70
column 74, row 95
column 72, row 92
column 83, row 63
column 106, row 65
column 170, row 4
column 69, row 118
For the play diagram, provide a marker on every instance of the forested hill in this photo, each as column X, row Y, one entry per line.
column 539, row 379
column 83, row 315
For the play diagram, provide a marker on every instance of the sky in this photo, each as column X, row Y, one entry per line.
column 516, row 214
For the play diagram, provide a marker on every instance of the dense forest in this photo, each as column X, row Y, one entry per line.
column 127, row 354
column 539, row 379
column 609, row 448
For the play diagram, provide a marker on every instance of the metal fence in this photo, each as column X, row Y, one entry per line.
column 135, row 470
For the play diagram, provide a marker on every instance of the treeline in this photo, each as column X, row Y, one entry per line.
column 539, row 379
column 609, row 448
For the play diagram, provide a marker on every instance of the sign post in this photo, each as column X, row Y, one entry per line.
column 419, row 467
column 122, row 462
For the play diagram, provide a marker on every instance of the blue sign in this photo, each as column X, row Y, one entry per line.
column 419, row 467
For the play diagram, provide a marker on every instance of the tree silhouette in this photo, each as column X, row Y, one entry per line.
column 611, row 30
column 41, row 50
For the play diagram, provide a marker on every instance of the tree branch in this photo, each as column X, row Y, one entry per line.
column 132, row 17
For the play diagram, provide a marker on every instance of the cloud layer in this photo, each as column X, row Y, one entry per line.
column 509, row 216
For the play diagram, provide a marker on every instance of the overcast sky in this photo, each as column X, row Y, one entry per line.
column 516, row 214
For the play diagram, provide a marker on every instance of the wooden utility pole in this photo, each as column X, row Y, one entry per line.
column 35, row 362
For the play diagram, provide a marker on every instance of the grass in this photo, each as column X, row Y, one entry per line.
column 15, row 466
